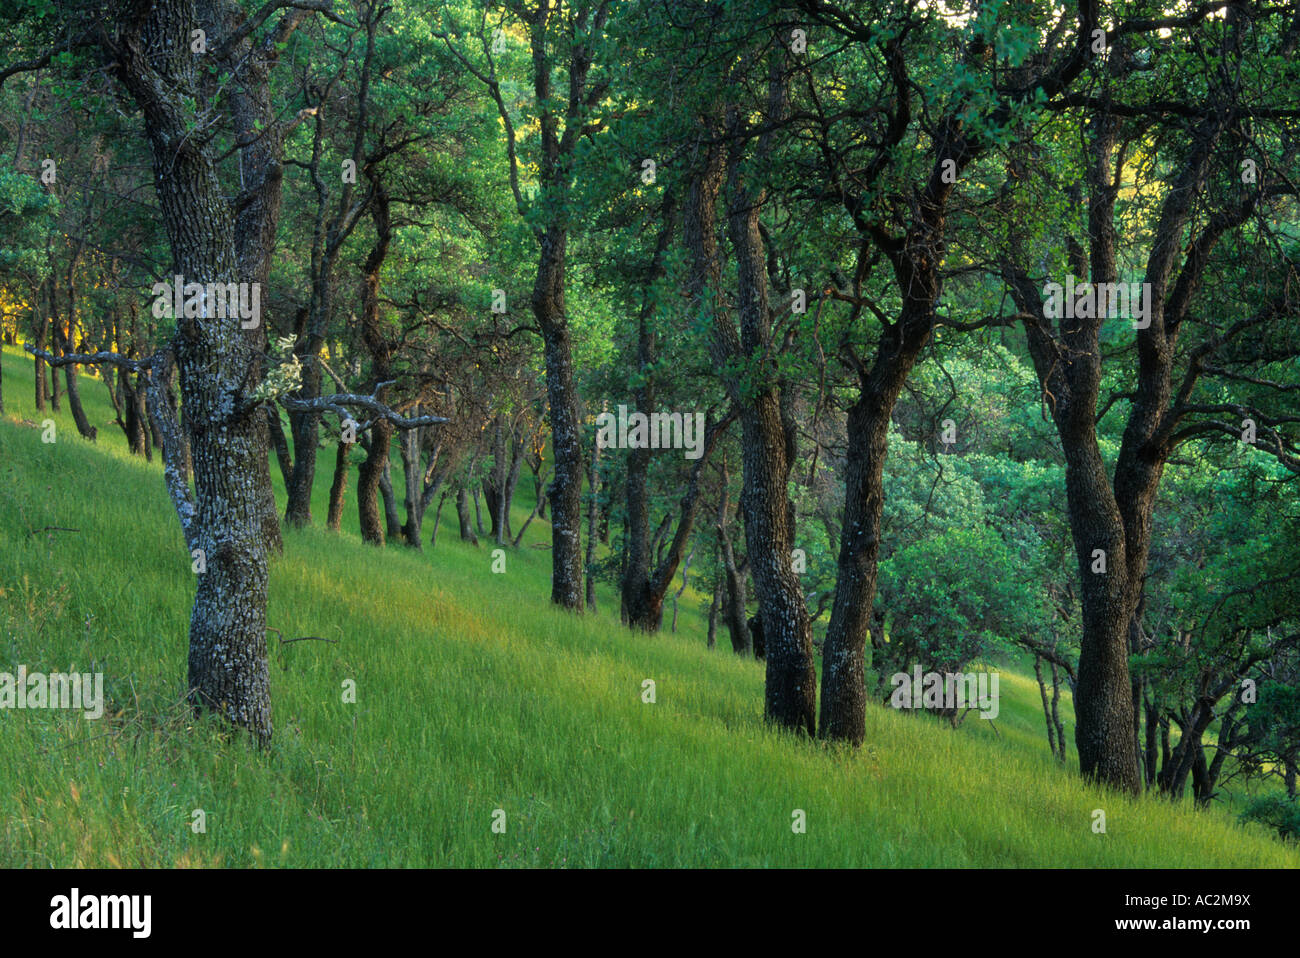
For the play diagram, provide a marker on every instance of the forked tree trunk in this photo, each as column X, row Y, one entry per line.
column 218, row 365
column 766, row 448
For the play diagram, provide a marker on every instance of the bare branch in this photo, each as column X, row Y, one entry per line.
column 339, row 402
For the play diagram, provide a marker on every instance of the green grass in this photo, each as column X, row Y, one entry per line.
column 473, row 694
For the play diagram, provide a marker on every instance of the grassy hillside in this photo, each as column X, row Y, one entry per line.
column 472, row 695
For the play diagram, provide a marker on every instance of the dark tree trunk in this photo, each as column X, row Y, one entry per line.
column 766, row 446
column 305, row 428
column 843, row 707
column 733, row 608
column 561, row 118
column 74, row 400
column 40, row 330
column 56, row 342
column 137, row 436
column 275, row 429
column 1112, row 522
column 369, row 478
column 1056, row 712
column 642, row 601
column 1047, row 709
column 496, row 482
column 66, row 343
column 565, row 495
column 339, row 486
column 593, row 513
column 372, row 333
column 916, row 258
column 686, row 572
column 644, row 587
column 1151, row 756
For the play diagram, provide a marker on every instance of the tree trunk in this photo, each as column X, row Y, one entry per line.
column 714, row 607
column 275, row 429
column 844, row 691
column 1150, row 756
column 137, row 437
column 1103, row 699
column 369, row 477
column 518, row 449
column 791, row 686
column 1047, row 710
column 339, row 486
column 462, row 515
column 641, row 610
column 228, row 670
column 305, row 429
column 734, row 613
column 391, row 518
column 593, row 521
column 416, row 495
column 381, row 432
column 65, row 343
column 56, row 342
column 565, row 496
column 40, row 334
column 437, row 520
column 495, row 483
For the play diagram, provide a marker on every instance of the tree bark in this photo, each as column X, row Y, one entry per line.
column 381, row 432
column 219, row 367
column 462, row 515
column 275, row 429
column 790, row 698
column 642, row 607
column 593, row 521
column 565, row 495
column 339, row 486
column 40, row 334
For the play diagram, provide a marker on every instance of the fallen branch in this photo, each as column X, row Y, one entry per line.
column 35, row 532
column 302, row 638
